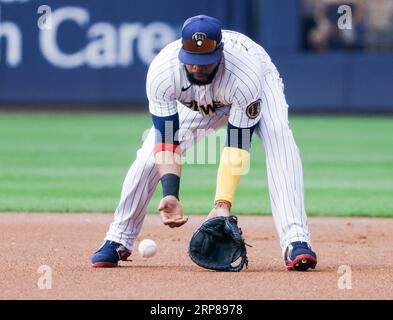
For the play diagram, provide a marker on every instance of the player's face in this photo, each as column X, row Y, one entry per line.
column 201, row 72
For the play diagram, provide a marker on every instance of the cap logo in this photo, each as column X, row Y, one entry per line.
column 199, row 37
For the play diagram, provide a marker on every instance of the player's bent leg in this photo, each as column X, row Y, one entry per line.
column 141, row 182
column 285, row 177
column 138, row 188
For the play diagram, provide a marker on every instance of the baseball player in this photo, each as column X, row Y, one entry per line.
column 208, row 79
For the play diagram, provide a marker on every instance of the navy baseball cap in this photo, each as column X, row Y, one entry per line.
column 201, row 40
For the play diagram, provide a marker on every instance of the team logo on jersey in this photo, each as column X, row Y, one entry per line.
column 210, row 108
column 254, row 109
column 199, row 37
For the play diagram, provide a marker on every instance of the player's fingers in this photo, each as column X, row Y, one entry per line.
column 166, row 220
column 170, row 224
column 173, row 223
column 180, row 222
column 162, row 206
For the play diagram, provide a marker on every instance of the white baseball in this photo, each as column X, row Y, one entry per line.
column 147, row 248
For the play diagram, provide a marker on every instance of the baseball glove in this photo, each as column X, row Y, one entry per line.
column 217, row 244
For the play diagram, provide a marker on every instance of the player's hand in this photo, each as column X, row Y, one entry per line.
column 221, row 208
column 171, row 212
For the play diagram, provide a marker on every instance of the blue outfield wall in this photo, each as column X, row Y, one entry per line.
column 97, row 52
column 337, row 82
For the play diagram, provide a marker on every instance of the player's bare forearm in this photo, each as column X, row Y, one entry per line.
column 168, row 162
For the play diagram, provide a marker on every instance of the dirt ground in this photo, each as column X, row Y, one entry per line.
column 47, row 256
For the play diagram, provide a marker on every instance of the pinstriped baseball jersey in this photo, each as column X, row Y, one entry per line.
column 237, row 83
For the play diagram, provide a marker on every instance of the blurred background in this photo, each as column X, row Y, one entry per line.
column 97, row 52
column 335, row 57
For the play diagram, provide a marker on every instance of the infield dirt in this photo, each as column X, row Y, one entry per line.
column 355, row 261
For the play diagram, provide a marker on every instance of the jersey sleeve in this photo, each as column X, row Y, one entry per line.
column 160, row 88
column 246, row 105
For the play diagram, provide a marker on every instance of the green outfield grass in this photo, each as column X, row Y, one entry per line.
column 77, row 162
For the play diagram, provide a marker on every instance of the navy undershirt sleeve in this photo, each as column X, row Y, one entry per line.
column 239, row 137
column 166, row 129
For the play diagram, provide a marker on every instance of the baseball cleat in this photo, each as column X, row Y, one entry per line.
column 300, row 257
column 109, row 254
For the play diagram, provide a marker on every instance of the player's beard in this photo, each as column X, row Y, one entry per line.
column 209, row 77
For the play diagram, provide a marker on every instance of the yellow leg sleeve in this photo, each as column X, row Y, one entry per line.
column 233, row 164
